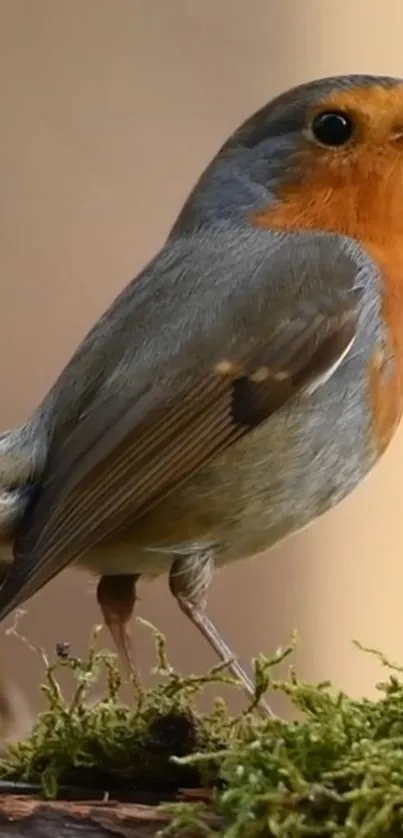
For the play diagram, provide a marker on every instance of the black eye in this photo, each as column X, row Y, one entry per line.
column 332, row 128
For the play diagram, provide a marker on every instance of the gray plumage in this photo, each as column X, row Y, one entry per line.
column 221, row 403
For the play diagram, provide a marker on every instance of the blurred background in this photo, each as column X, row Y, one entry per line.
column 110, row 109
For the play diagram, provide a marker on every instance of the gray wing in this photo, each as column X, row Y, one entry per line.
column 138, row 440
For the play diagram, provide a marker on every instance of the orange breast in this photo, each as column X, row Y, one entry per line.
column 386, row 385
column 308, row 210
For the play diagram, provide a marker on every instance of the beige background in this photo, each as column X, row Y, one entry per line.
column 109, row 111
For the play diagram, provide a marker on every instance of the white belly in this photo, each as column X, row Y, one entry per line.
column 117, row 560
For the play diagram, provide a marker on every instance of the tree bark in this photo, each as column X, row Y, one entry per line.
column 27, row 817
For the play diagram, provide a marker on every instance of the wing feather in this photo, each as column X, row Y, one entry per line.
column 132, row 447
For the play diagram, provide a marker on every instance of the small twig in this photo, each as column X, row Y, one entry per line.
column 12, row 631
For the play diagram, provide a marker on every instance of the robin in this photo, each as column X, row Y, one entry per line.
column 244, row 383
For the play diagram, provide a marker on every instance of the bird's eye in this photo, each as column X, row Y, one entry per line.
column 332, row 128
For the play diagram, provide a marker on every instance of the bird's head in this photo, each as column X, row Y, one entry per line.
column 327, row 155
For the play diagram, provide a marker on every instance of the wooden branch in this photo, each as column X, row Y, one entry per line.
column 26, row 816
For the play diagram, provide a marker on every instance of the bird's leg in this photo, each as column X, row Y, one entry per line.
column 189, row 579
column 116, row 597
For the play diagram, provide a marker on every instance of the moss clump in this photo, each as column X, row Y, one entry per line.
column 108, row 745
column 336, row 772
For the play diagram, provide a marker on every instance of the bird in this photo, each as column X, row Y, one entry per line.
column 243, row 384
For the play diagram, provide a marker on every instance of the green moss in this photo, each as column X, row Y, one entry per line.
column 110, row 745
column 338, row 771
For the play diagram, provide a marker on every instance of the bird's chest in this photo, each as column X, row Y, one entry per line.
column 385, row 371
